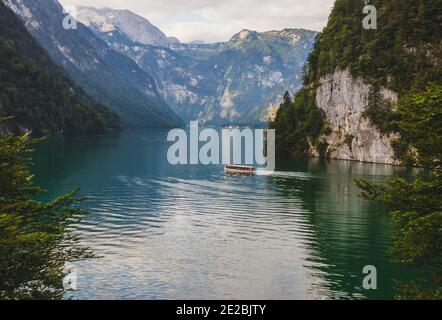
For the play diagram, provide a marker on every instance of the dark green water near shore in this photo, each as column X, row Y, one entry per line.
column 191, row 232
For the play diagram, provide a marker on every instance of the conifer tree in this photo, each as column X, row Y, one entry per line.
column 35, row 239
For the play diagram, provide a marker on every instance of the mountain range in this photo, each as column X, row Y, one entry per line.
column 124, row 62
column 238, row 81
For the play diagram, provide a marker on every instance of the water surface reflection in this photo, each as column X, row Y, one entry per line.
column 192, row 232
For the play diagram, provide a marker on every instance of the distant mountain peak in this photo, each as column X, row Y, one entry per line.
column 244, row 34
column 173, row 40
column 135, row 27
column 291, row 35
column 238, row 81
column 109, row 77
column 197, row 42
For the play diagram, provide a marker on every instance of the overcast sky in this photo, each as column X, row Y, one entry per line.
column 218, row 20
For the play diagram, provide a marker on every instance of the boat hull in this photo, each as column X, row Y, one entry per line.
column 249, row 171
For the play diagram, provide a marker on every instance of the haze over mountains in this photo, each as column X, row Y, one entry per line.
column 128, row 64
column 239, row 81
column 109, row 77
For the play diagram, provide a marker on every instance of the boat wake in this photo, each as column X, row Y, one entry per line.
column 283, row 174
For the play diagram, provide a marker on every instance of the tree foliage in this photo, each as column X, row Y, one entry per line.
column 35, row 239
column 416, row 204
column 421, row 127
column 403, row 54
column 298, row 123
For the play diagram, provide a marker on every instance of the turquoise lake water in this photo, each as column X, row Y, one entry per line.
column 192, row 232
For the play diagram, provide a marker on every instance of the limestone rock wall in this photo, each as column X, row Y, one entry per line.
column 343, row 99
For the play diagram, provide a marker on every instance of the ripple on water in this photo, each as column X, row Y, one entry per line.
column 192, row 232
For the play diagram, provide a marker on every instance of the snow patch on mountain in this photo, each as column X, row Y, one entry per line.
column 137, row 28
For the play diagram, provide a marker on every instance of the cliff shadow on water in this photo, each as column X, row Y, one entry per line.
column 348, row 232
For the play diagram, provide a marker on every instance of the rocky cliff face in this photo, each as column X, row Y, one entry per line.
column 137, row 28
column 343, row 98
column 349, row 71
column 238, row 81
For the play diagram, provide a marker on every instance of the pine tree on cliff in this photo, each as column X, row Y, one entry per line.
column 403, row 54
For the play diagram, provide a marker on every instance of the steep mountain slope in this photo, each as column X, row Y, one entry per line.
column 346, row 109
column 136, row 28
column 109, row 77
column 37, row 93
column 238, row 81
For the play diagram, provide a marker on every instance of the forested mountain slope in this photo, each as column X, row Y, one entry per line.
column 37, row 93
column 346, row 109
column 106, row 75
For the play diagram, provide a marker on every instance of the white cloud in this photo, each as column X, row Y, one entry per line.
column 214, row 20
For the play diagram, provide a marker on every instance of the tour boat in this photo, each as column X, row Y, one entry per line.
column 234, row 169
